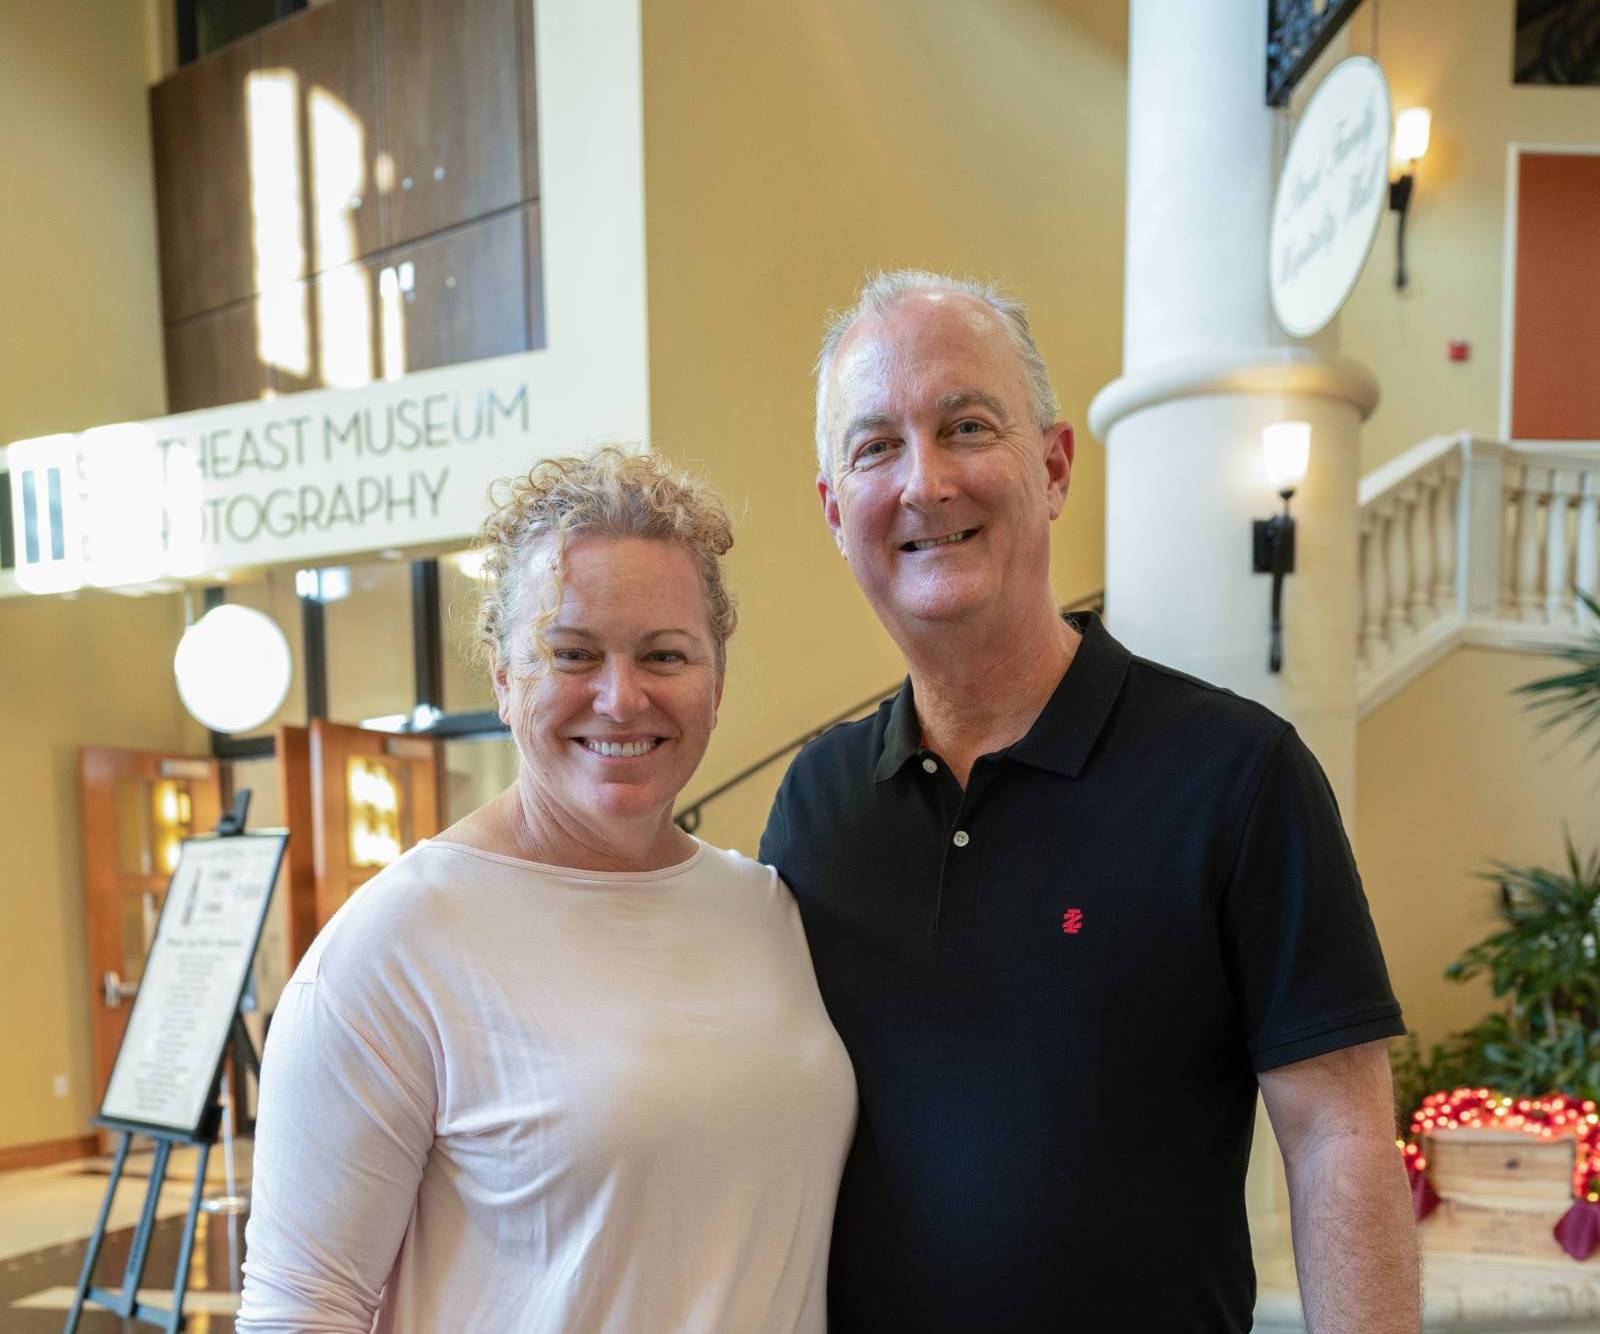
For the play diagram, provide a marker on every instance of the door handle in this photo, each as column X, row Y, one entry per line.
column 115, row 990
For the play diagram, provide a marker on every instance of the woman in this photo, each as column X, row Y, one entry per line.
column 563, row 1068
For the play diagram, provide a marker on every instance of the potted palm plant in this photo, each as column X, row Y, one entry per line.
column 1501, row 1121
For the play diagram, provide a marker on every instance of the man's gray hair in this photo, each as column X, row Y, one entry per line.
column 883, row 292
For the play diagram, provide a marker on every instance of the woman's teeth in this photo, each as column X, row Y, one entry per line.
column 626, row 749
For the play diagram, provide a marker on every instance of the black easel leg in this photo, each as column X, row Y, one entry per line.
column 140, row 1250
column 97, row 1237
column 180, row 1282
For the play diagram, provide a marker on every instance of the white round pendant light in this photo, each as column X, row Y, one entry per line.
column 233, row 668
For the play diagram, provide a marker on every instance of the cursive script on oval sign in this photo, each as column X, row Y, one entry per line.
column 1330, row 197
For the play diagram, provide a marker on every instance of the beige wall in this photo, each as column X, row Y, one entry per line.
column 91, row 670
column 788, row 149
column 77, row 234
column 1455, row 57
column 1453, row 772
column 80, row 344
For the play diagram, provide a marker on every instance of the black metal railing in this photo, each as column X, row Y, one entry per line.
column 689, row 817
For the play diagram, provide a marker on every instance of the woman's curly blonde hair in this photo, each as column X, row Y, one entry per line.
column 613, row 492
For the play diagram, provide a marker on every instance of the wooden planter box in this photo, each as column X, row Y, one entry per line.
column 1501, row 1193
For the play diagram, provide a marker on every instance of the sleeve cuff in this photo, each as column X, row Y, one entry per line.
column 1370, row 1027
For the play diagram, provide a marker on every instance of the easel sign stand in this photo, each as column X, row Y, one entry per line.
column 166, row 1082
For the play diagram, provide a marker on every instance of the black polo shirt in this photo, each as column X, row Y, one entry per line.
column 1058, row 986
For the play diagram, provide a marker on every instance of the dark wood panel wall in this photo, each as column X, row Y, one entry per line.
column 362, row 175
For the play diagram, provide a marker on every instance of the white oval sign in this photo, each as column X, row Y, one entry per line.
column 1331, row 196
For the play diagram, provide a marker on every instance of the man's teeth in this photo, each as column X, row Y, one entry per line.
column 928, row 543
column 627, row 749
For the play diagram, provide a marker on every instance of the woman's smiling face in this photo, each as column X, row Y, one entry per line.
column 613, row 711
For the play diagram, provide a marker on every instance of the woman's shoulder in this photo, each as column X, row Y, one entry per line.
column 416, row 899
column 732, row 871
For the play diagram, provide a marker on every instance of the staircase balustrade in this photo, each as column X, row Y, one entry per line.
column 1473, row 541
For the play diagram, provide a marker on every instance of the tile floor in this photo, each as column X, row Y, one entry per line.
column 46, row 1215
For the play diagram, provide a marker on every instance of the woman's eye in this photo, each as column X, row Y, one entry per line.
column 569, row 655
column 666, row 655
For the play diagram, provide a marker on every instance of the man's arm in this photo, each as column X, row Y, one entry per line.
column 1355, row 1243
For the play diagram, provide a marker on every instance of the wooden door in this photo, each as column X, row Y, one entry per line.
column 137, row 807
column 201, row 139
column 452, row 104
column 373, row 795
column 293, row 746
column 457, row 297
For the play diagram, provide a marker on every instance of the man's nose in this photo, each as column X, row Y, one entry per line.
column 928, row 478
column 619, row 692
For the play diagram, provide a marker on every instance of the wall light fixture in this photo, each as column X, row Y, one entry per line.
column 1287, row 450
column 1411, row 129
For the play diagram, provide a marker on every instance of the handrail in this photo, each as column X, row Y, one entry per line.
column 688, row 819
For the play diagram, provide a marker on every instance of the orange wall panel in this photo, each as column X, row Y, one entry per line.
column 1555, row 392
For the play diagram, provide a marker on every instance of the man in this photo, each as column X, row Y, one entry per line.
column 1068, row 908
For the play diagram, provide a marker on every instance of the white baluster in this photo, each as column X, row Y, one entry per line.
column 1509, row 509
column 1558, row 597
column 1445, row 496
column 1419, row 537
column 1373, row 588
column 1586, row 574
column 1528, row 604
column 1398, row 560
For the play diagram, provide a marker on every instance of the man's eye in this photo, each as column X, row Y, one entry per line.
column 970, row 427
column 872, row 451
column 667, row 655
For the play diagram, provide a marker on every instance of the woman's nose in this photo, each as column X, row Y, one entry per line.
column 619, row 694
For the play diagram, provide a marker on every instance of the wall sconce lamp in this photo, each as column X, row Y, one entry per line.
column 1287, row 447
column 1410, row 144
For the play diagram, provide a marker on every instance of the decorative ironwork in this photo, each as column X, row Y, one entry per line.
column 1297, row 32
column 1558, row 41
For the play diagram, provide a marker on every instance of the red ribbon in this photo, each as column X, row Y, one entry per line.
column 1579, row 1229
column 1424, row 1199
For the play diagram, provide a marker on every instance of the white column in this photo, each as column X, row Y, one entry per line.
column 1204, row 369
column 1444, row 540
column 1527, row 563
column 1482, row 566
column 1374, row 589
column 1397, row 624
column 1420, row 534
column 1558, row 600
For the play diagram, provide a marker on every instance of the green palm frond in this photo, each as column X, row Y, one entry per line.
column 1571, row 698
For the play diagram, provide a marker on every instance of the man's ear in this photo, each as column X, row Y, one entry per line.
column 830, row 512
column 1060, row 446
column 502, row 693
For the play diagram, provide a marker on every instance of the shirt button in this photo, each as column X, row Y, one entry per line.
column 961, row 839
column 932, row 766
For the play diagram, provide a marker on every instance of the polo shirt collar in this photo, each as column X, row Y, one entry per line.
column 1065, row 731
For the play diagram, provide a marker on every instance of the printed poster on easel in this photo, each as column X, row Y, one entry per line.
column 165, row 1073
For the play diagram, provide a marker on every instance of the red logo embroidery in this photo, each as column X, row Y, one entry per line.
column 1072, row 921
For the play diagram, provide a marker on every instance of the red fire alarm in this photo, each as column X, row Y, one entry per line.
column 1460, row 350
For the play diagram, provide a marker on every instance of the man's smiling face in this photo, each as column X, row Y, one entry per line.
column 944, row 485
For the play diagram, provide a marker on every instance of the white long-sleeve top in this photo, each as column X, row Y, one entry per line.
column 509, row 1097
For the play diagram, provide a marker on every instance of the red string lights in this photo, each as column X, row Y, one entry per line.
column 1551, row 1118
